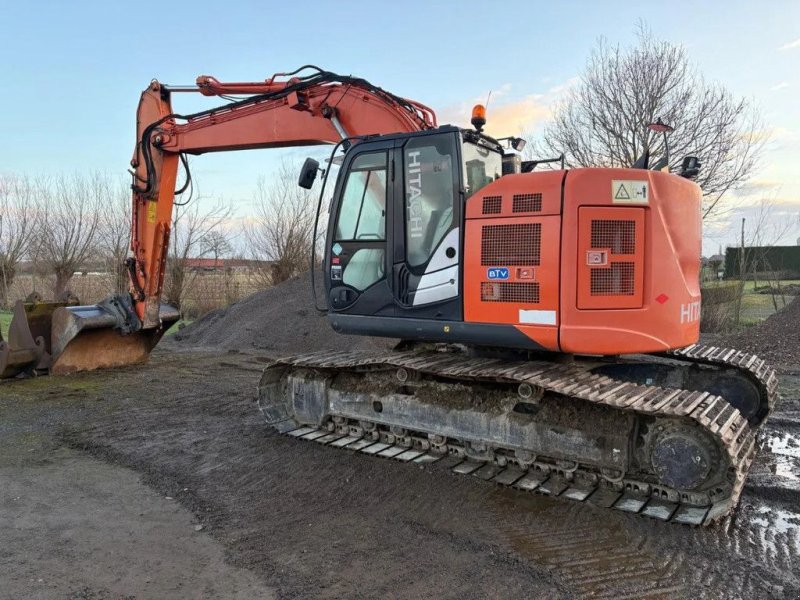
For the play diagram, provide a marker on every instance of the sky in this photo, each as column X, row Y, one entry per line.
column 73, row 71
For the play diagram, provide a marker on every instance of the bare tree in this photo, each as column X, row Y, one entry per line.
column 282, row 229
column 218, row 245
column 70, row 213
column 114, row 233
column 193, row 227
column 603, row 120
column 17, row 227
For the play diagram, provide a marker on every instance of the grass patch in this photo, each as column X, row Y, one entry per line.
column 177, row 327
column 5, row 319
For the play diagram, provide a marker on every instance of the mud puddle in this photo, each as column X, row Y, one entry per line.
column 786, row 444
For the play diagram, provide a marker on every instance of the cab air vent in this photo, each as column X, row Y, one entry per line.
column 517, row 244
column 522, row 203
column 510, row 291
column 492, row 205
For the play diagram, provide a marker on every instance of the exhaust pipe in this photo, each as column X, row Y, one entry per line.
column 61, row 337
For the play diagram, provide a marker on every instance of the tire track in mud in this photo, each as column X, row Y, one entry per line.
column 605, row 554
column 590, row 549
column 602, row 553
column 353, row 523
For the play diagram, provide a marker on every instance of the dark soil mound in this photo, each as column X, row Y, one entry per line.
column 279, row 320
column 777, row 339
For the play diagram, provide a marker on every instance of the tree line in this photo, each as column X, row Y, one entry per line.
column 61, row 225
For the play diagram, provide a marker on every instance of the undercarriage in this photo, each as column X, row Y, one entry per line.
column 646, row 434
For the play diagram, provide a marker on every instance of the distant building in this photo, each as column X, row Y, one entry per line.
column 224, row 264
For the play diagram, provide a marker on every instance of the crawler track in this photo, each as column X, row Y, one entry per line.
column 364, row 403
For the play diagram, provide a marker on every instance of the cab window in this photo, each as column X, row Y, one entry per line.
column 362, row 215
column 429, row 194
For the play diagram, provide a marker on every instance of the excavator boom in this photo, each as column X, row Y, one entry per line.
column 306, row 107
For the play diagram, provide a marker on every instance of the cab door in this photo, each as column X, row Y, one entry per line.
column 356, row 257
column 426, row 268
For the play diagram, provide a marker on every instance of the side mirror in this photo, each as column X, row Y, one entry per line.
column 308, row 174
column 690, row 167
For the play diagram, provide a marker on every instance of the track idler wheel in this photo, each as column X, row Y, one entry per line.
column 682, row 456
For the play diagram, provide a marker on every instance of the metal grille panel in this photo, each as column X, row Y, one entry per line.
column 617, row 280
column 526, row 203
column 492, row 205
column 619, row 236
column 510, row 291
column 517, row 244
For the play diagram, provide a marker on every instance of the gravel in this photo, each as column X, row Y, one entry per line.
column 278, row 320
column 777, row 339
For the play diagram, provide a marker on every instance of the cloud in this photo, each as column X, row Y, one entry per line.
column 563, row 87
column 780, row 86
column 756, row 187
column 507, row 114
column 791, row 45
column 503, row 118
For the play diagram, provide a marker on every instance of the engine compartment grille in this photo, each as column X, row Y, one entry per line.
column 616, row 280
column 515, row 244
column 510, row 291
column 492, row 205
column 618, row 235
column 526, row 203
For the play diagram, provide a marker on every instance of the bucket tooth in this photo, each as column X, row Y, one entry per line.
column 85, row 338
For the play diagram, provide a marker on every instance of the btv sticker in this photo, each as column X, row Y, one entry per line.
column 337, row 249
column 497, row 273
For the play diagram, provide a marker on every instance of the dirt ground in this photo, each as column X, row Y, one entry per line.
column 105, row 478
column 163, row 481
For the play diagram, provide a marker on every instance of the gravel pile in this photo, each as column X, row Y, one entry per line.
column 777, row 339
column 280, row 320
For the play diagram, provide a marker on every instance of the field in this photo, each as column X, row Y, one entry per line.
column 755, row 306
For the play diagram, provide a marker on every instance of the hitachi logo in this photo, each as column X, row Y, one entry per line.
column 414, row 183
column 690, row 312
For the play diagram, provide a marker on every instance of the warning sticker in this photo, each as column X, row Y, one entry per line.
column 624, row 191
column 152, row 207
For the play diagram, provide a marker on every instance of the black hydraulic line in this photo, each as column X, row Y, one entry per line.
column 321, row 77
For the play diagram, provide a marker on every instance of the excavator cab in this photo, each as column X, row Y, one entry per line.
column 394, row 242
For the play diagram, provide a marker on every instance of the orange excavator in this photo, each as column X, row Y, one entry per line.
column 548, row 320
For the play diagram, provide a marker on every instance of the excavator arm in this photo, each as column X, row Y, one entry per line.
column 306, row 107
column 285, row 110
